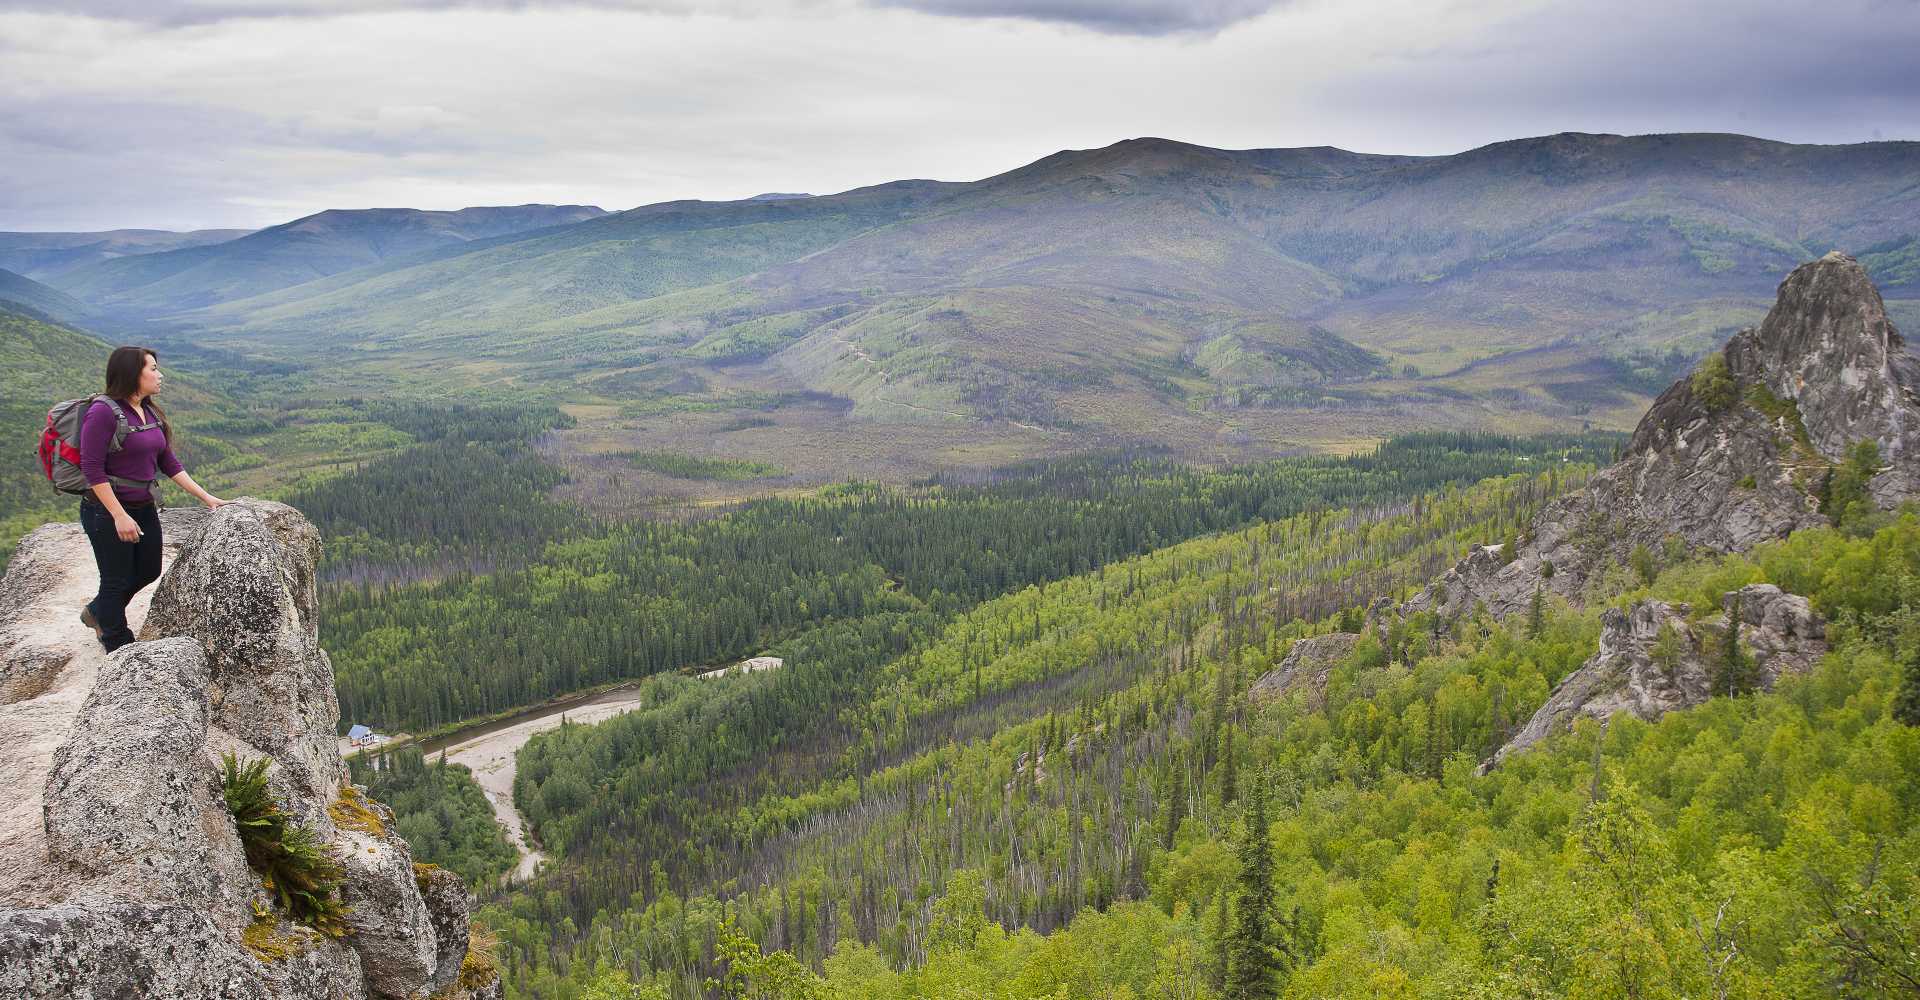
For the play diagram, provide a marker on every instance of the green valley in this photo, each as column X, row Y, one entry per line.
column 1231, row 304
column 1166, row 572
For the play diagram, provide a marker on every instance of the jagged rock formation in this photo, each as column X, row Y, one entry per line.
column 1652, row 660
column 1306, row 667
column 129, row 879
column 1724, row 465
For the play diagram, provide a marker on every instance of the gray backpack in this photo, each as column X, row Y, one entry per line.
column 60, row 446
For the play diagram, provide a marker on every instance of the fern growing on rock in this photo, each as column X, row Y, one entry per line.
column 293, row 862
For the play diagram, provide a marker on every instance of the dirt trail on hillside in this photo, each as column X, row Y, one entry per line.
column 48, row 662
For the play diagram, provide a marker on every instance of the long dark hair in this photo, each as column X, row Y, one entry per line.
column 124, row 366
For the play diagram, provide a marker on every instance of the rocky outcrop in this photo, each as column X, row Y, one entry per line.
column 155, row 952
column 1652, row 660
column 129, row 812
column 1305, row 667
column 1839, row 358
column 131, row 881
column 244, row 590
column 1732, row 458
column 447, row 903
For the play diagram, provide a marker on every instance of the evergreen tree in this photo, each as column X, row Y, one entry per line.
column 1222, row 702
column 1253, row 961
column 1537, row 614
column 1735, row 675
column 1906, row 704
column 1847, row 501
column 1229, row 769
column 1176, row 801
column 1219, row 941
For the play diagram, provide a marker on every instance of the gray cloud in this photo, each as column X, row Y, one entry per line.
column 1129, row 17
column 181, row 13
column 1125, row 17
column 1763, row 67
column 117, row 121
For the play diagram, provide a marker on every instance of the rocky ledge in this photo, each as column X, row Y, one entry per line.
column 1736, row 455
column 1654, row 659
column 131, row 881
column 1305, row 668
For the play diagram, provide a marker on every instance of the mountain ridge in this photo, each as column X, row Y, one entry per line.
column 310, row 247
column 20, row 290
column 1436, row 262
column 1234, row 304
column 44, row 255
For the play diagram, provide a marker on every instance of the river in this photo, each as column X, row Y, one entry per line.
column 490, row 752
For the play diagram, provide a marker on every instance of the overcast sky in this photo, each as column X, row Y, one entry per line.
column 183, row 114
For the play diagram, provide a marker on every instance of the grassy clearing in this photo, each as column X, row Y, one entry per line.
column 680, row 466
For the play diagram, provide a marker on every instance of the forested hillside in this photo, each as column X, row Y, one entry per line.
column 578, row 602
column 1760, row 846
column 1276, row 761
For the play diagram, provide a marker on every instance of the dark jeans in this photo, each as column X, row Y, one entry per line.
column 126, row 568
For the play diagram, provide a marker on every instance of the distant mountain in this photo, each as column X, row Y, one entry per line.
column 42, row 256
column 294, row 253
column 515, row 282
column 18, row 290
column 41, row 362
column 1558, row 278
column 779, row 196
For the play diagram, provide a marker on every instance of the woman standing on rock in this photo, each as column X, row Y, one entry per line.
column 119, row 515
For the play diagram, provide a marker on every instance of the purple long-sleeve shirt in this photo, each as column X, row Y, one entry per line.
column 140, row 455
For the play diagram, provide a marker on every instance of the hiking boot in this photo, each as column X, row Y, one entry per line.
column 87, row 619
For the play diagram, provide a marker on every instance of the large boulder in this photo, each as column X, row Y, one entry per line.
column 388, row 920
column 244, row 588
column 131, row 807
column 136, row 882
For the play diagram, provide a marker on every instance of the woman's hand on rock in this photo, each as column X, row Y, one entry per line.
column 214, row 502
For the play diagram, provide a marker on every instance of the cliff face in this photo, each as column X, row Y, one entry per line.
column 129, row 879
column 1735, row 455
column 1653, row 659
column 1722, row 464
